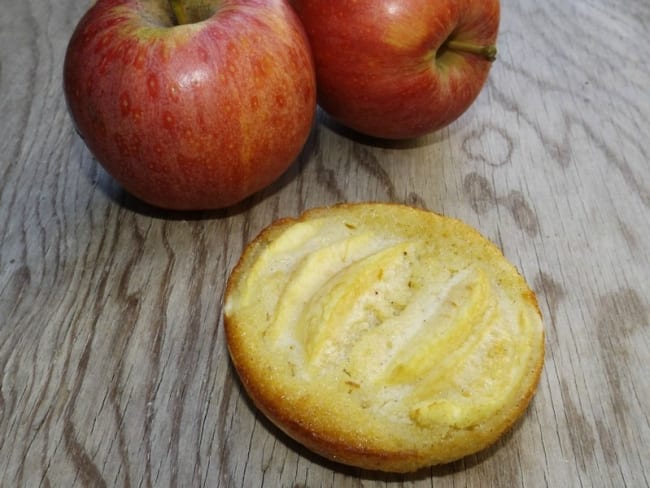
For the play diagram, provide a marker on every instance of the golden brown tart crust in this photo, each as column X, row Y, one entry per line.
column 383, row 336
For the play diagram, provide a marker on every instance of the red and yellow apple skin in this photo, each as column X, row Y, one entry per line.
column 384, row 67
column 193, row 116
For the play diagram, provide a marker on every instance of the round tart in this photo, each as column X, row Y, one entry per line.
column 383, row 336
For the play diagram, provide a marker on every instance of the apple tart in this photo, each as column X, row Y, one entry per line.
column 383, row 336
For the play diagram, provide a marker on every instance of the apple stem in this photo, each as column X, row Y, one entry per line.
column 191, row 11
column 179, row 12
column 488, row 52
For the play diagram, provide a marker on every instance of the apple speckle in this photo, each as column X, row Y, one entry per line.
column 173, row 92
column 168, row 120
column 255, row 102
column 152, row 85
column 203, row 55
column 137, row 115
column 125, row 104
column 104, row 41
column 139, row 60
column 103, row 64
column 127, row 54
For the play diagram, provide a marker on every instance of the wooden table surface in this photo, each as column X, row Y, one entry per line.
column 113, row 366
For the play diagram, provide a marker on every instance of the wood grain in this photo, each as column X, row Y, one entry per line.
column 113, row 366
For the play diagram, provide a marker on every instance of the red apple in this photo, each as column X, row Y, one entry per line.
column 195, row 105
column 399, row 68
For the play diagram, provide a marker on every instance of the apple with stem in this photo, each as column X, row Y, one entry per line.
column 193, row 104
column 398, row 69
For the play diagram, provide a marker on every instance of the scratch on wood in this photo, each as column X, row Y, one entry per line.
column 553, row 294
column 369, row 162
column 524, row 216
column 501, row 145
column 480, row 192
column 581, row 433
